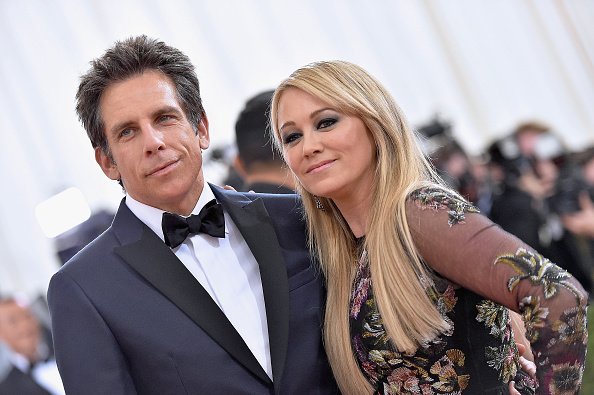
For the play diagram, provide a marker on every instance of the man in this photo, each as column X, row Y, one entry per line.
column 145, row 309
column 23, row 352
column 262, row 169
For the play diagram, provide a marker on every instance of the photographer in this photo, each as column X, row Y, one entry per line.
column 450, row 159
column 529, row 179
column 540, row 199
column 573, row 203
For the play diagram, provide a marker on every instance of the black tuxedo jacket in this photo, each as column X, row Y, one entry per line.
column 128, row 317
column 17, row 382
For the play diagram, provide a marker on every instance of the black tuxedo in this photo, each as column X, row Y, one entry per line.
column 128, row 317
column 17, row 382
column 265, row 187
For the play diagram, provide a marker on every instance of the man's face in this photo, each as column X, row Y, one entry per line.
column 154, row 149
column 19, row 329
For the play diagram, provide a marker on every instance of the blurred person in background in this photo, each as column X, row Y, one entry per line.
column 262, row 169
column 469, row 175
column 540, row 197
column 580, row 192
column 455, row 168
column 573, row 203
column 529, row 179
column 27, row 367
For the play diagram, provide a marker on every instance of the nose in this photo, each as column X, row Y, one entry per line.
column 311, row 144
column 153, row 139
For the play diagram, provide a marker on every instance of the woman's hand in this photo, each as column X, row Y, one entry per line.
column 527, row 366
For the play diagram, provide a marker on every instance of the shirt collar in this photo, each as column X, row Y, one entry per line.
column 17, row 360
column 151, row 216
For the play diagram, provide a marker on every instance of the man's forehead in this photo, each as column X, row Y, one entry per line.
column 139, row 81
column 139, row 93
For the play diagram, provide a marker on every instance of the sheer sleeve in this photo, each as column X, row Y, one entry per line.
column 468, row 249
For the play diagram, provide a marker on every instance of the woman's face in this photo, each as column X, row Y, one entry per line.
column 331, row 153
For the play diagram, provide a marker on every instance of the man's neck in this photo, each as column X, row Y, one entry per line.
column 274, row 177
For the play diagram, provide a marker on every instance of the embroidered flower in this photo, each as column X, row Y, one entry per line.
column 505, row 358
column 534, row 316
column 539, row 270
column 448, row 299
column 403, row 381
column 571, row 327
column 445, row 369
column 566, row 379
column 374, row 326
column 494, row 316
column 361, row 286
column 359, row 296
column 440, row 199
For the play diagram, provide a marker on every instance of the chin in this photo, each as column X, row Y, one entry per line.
column 322, row 194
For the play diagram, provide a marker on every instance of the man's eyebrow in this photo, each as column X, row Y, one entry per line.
column 166, row 109
column 119, row 126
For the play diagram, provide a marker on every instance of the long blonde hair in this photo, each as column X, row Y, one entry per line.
column 408, row 314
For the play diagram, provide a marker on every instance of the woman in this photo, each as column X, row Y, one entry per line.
column 417, row 280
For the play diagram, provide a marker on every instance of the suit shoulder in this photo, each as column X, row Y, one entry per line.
column 100, row 247
column 289, row 203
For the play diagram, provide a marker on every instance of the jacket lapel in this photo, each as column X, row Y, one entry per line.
column 148, row 255
column 252, row 219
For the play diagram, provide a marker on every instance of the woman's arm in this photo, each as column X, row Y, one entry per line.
column 468, row 249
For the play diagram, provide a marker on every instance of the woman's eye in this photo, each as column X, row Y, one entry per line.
column 291, row 137
column 326, row 123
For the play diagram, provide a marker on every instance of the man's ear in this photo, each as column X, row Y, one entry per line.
column 203, row 134
column 106, row 163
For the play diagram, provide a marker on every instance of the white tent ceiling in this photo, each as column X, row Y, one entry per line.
column 482, row 65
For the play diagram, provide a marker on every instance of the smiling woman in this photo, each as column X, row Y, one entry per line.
column 332, row 154
column 419, row 283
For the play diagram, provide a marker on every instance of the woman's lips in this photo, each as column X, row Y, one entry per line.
column 320, row 166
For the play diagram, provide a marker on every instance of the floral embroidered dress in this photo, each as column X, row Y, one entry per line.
column 479, row 272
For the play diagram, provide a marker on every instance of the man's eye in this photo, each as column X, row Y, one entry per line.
column 326, row 123
column 126, row 132
column 290, row 138
column 166, row 118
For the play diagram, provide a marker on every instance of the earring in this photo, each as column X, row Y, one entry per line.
column 319, row 204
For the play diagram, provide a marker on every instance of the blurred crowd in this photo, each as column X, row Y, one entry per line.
column 531, row 185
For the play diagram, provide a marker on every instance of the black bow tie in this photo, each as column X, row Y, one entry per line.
column 210, row 220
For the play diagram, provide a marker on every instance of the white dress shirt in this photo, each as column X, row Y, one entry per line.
column 227, row 270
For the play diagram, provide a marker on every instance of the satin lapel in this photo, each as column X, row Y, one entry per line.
column 253, row 222
column 154, row 261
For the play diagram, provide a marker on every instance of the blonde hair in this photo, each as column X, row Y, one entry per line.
column 409, row 316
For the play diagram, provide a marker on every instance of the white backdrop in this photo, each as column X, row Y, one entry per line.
column 483, row 65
